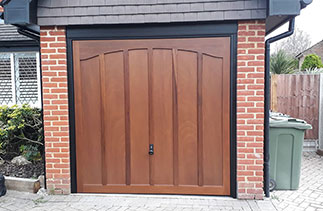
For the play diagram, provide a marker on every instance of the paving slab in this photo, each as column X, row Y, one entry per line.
column 309, row 196
column 21, row 201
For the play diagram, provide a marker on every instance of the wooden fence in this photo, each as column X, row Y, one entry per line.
column 298, row 96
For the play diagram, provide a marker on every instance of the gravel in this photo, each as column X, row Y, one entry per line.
column 32, row 170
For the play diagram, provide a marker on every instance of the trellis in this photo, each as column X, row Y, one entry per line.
column 20, row 79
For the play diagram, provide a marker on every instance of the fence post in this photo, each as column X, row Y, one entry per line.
column 273, row 92
column 321, row 113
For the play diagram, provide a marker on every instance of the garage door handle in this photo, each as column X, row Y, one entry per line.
column 151, row 149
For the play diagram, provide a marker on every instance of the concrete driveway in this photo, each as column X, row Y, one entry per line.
column 309, row 197
column 24, row 201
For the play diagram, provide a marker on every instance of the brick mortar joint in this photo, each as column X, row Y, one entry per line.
column 249, row 39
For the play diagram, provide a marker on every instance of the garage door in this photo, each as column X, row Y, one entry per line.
column 152, row 116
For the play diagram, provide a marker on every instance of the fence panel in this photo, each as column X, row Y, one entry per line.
column 298, row 96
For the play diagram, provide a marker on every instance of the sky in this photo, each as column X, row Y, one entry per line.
column 310, row 20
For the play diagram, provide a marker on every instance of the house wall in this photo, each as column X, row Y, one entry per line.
column 61, row 12
column 250, row 109
column 316, row 49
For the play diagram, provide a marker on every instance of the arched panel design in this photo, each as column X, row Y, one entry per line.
column 139, row 116
column 212, row 114
column 186, row 83
column 169, row 97
column 113, row 117
column 88, row 127
column 162, row 117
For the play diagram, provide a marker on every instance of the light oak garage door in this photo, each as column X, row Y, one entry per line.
column 153, row 116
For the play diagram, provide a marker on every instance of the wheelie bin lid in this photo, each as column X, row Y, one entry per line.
column 279, row 120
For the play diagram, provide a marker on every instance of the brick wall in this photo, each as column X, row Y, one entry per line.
column 250, row 109
column 55, row 105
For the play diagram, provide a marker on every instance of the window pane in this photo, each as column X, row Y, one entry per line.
column 26, row 78
column 5, row 80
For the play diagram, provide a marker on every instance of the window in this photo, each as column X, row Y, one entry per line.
column 20, row 79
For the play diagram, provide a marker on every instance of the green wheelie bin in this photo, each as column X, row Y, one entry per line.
column 286, row 137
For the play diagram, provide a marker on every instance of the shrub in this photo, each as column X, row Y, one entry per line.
column 281, row 63
column 21, row 132
column 310, row 71
column 312, row 61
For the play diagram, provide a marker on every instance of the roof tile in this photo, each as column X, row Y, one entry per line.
column 10, row 33
column 61, row 12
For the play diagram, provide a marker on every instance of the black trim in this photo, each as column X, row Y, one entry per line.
column 233, row 117
column 4, row 2
column 31, row 30
column 19, row 46
column 285, row 20
column 155, row 31
column 28, row 33
column 42, row 112
column 71, row 110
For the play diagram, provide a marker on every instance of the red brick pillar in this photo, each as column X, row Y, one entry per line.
column 55, row 106
column 250, row 109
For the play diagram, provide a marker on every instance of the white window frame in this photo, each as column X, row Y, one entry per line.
column 38, row 81
column 13, row 80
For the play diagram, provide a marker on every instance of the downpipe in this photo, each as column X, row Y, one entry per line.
column 267, row 100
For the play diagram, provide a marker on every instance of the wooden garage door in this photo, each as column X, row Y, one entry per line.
column 167, row 96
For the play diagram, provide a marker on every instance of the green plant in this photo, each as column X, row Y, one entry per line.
column 30, row 152
column 40, row 200
column 21, row 132
column 281, row 63
column 312, row 61
column 52, row 191
column 274, row 197
column 1, row 148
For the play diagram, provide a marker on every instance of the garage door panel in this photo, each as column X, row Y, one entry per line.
column 171, row 93
column 114, row 118
column 139, row 116
column 90, row 74
column 226, row 96
column 162, row 116
column 211, row 117
column 205, row 45
column 157, row 189
column 187, row 117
